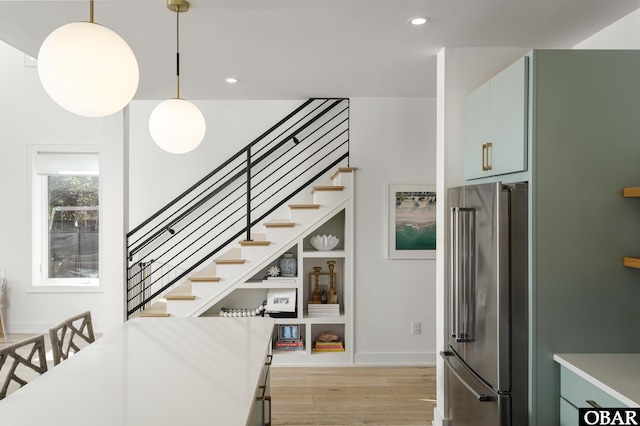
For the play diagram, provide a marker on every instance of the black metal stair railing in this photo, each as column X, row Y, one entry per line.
column 233, row 198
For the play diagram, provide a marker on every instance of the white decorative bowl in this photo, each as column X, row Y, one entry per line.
column 324, row 242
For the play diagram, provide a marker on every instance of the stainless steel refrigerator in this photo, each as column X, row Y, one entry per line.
column 486, row 358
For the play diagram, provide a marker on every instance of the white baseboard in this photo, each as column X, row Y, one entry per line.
column 391, row 358
column 438, row 420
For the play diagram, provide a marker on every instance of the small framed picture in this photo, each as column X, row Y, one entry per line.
column 281, row 300
column 289, row 332
column 411, row 221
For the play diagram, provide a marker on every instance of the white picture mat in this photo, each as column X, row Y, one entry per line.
column 281, row 300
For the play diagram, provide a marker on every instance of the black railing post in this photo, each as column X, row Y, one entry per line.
column 249, row 193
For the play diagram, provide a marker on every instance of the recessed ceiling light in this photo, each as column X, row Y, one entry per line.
column 418, row 20
column 231, row 80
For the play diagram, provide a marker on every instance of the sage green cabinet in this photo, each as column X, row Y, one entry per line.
column 576, row 392
column 495, row 124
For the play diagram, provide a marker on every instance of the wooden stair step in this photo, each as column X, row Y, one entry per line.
column 254, row 243
column 327, row 188
column 180, row 297
column 279, row 223
column 229, row 261
column 204, row 278
column 181, row 292
column 151, row 314
column 205, row 274
column 343, row 170
column 156, row 310
column 304, row 206
column 231, row 257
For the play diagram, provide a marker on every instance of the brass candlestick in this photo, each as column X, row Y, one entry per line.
column 333, row 294
column 316, row 296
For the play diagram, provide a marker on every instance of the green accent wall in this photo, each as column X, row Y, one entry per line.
column 585, row 134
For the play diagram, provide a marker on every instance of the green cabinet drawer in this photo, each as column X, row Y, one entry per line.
column 577, row 391
column 568, row 414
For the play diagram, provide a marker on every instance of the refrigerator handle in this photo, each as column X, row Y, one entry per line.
column 462, row 273
column 481, row 397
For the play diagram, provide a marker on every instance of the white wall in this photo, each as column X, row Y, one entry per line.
column 29, row 117
column 157, row 177
column 392, row 141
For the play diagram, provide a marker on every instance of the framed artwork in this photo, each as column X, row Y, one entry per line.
column 412, row 221
column 281, row 300
column 288, row 332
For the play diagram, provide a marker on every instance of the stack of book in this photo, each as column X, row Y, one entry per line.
column 288, row 345
column 337, row 346
column 324, row 309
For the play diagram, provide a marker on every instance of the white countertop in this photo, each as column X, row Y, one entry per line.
column 151, row 371
column 616, row 374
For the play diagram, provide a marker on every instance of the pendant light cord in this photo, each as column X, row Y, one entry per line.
column 91, row 11
column 178, row 52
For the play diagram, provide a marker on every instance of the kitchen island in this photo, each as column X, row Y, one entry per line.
column 600, row 379
column 154, row 371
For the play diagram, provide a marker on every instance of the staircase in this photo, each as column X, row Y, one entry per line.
column 243, row 215
column 243, row 259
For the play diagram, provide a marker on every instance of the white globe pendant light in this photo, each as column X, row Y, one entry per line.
column 88, row 69
column 176, row 125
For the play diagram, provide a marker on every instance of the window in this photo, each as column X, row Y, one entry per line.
column 66, row 219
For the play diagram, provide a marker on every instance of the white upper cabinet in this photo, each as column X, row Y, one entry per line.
column 495, row 124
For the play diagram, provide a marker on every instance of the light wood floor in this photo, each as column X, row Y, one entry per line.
column 353, row 395
column 337, row 396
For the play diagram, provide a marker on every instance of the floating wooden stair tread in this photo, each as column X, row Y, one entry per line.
column 152, row 314
column 229, row 261
column 631, row 262
column 207, row 273
column 180, row 297
column 181, row 292
column 232, row 257
column 279, row 223
column 202, row 278
column 304, row 206
column 343, row 170
column 631, row 192
column 328, row 188
column 254, row 243
column 156, row 310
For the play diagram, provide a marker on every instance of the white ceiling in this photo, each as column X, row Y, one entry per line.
column 295, row 49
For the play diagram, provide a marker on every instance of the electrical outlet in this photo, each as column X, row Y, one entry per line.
column 416, row 327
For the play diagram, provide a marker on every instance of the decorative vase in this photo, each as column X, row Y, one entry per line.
column 288, row 265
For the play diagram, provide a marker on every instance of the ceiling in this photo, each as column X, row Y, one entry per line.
column 295, row 49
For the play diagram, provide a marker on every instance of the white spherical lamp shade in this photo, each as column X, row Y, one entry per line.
column 177, row 126
column 88, row 69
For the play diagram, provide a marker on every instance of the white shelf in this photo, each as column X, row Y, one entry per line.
column 332, row 253
column 267, row 286
column 308, row 258
column 326, row 320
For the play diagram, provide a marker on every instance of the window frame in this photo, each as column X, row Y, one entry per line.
column 39, row 225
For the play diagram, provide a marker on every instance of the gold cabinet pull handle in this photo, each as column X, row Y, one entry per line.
column 485, row 156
